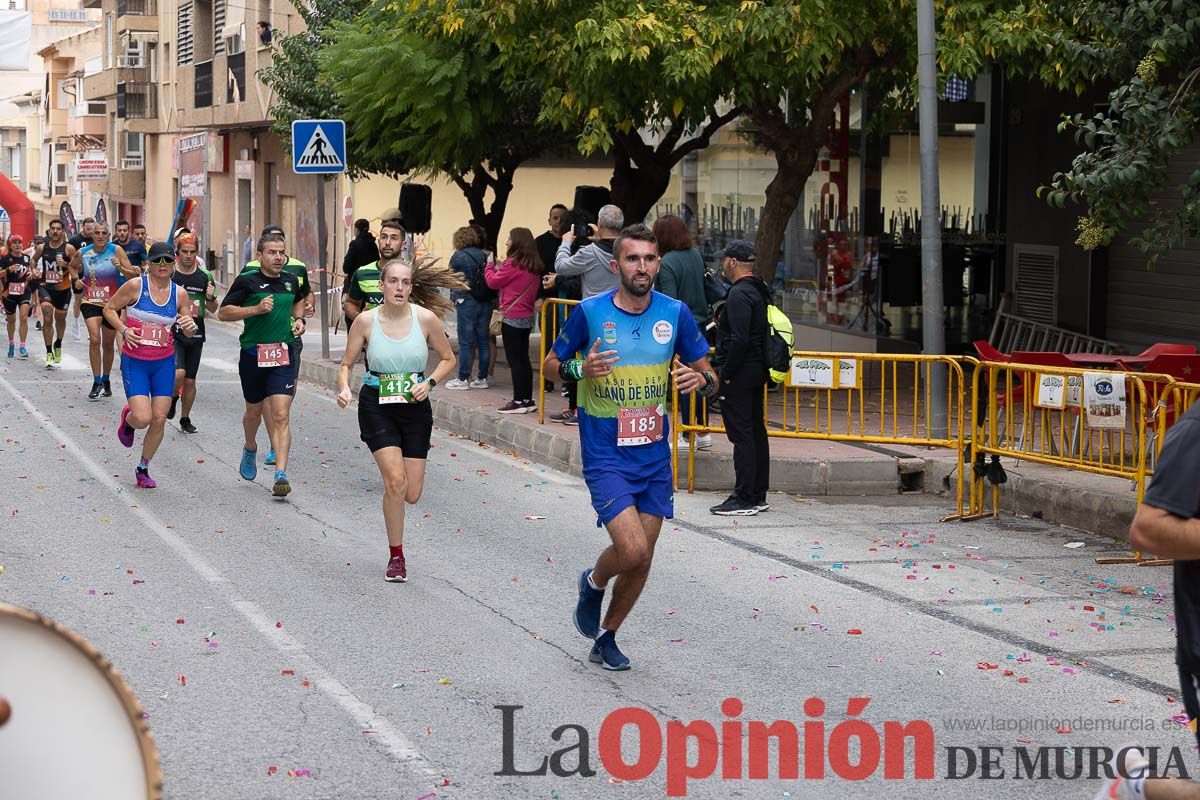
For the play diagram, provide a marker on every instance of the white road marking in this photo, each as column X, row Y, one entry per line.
column 362, row 714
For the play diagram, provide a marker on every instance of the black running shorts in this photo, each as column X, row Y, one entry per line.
column 408, row 426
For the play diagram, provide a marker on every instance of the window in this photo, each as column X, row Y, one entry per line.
column 184, row 35
column 14, row 161
column 133, row 53
column 97, row 107
column 60, row 178
column 133, row 151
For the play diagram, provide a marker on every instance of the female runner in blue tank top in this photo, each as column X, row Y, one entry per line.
column 395, row 417
column 156, row 310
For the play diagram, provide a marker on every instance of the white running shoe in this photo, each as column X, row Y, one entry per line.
column 75, row 328
column 457, row 383
column 479, row 383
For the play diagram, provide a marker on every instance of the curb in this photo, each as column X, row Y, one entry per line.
column 1105, row 513
column 1058, row 502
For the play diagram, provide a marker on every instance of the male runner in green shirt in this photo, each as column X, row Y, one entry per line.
column 271, row 305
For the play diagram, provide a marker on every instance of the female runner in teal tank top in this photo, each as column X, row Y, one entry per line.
column 395, row 418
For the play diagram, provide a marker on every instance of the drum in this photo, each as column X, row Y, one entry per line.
column 70, row 727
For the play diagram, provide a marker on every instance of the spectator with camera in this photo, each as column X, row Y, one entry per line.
column 593, row 261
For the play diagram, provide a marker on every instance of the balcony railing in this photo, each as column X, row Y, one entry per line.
column 137, row 101
column 145, row 8
column 133, row 162
column 235, row 89
column 203, row 88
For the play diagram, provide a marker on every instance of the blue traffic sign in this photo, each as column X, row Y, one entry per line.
column 318, row 146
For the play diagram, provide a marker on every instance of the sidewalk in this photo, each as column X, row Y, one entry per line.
column 1094, row 503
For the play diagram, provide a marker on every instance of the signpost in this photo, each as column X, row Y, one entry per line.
column 319, row 148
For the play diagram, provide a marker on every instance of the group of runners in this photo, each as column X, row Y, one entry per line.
column 624, row 348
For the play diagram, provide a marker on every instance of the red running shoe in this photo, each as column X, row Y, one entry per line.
column 396, row 571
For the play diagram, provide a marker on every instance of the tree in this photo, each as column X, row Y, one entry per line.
column 446, row 116
column 612, row 75
column 1152, row 49
column 301, row 91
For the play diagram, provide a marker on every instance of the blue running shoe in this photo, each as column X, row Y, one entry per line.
column 270, row 462
column 605, row 653
column 247, row 469
column 281, row 488
column 587, row 609
column 12, row 349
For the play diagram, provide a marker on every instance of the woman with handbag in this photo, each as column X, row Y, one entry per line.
column 517, row 280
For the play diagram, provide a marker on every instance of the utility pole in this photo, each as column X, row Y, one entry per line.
column 933, row 321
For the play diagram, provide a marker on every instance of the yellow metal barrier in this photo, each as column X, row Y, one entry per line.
column 560, row 309
column 1046, row 415
column 853, row 397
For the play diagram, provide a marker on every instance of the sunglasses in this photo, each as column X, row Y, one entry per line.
column 162, row 260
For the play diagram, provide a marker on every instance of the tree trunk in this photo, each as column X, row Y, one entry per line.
column 475, row 191
column 636, row 188
column 782, row 198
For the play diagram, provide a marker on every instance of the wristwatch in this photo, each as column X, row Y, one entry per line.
column 432, row 382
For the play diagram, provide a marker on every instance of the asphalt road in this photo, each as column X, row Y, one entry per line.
column 207, row 595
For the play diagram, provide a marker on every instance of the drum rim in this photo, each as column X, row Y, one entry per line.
column 133, row 707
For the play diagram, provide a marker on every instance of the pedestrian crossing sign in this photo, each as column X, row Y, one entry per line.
column 318, row 146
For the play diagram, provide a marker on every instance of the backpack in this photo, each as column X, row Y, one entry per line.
column 780, row 339
column 478, row 286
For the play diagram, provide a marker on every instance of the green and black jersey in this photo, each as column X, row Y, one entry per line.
column 293, row 266
column 196, row 284
column 248, row 290
column 365, row 287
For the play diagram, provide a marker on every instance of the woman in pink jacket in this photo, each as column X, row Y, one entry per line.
column 517, row 280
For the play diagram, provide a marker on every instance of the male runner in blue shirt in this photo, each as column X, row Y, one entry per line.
column 623, row 396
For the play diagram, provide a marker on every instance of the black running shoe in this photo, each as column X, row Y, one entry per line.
column 734, row 507
column 107, row 389
column 95, row 392
column 174, row 403
column 185, row 425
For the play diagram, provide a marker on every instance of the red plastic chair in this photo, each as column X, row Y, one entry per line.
column 1183, row 367
column 989, row 353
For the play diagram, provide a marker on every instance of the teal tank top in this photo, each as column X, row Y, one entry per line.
column 388, row 355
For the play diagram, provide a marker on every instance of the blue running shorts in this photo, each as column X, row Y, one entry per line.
column 612, row 493
column 148, row 378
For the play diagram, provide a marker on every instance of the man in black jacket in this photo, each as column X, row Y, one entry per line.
column 742, row 356
column 362, row 249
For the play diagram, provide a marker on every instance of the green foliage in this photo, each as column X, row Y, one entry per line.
column 301, row 90
column 1152, row 49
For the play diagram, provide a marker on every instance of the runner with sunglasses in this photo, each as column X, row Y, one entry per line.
column 156, row 310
